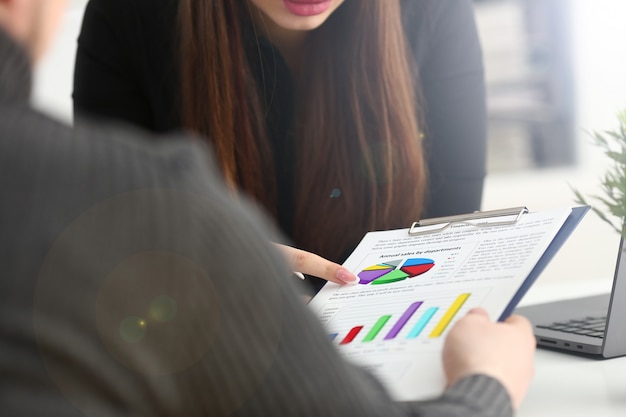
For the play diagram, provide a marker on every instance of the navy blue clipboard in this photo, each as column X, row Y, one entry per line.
column 563, row 234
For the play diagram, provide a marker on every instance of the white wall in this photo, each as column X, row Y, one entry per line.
column 600, row 60
column 53, row 76
column 599, row 45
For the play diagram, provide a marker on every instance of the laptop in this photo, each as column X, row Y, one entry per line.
column 594, row 325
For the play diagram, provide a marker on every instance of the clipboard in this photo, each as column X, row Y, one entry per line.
column 470, row 218
column 563, row 234
column 414, row 285
column 474, row 218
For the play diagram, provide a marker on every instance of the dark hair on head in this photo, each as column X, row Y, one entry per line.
column 356, row 125
column 218, row 99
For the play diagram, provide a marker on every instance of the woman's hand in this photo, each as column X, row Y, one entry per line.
column 311, row 264
column 504, row 350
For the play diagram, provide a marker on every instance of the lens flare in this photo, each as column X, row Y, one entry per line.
column 163, row 308
column 133, row 329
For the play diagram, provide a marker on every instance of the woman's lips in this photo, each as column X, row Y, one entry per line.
column 307, row 7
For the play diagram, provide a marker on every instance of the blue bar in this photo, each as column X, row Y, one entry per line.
column 422, row 322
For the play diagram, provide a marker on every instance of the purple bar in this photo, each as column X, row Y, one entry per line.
column 406, row 316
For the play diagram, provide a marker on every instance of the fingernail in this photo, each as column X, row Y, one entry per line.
column 347, row 276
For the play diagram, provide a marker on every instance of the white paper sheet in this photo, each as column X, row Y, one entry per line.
column 415, row 287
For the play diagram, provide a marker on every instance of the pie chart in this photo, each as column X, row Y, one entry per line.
column 394, row 271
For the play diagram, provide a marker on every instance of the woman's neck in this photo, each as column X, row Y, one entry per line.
column 288, row 42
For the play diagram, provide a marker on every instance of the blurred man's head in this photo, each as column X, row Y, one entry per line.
column 31, row 22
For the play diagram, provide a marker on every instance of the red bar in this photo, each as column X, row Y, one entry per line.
column 351, row 335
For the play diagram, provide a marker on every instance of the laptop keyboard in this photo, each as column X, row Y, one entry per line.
column 588, row 326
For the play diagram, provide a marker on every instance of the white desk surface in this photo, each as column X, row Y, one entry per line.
column 568, row 385
column 571, row 386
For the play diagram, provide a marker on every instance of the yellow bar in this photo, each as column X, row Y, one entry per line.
column 447, row 318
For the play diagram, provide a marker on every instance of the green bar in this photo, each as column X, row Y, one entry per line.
column 376, row 329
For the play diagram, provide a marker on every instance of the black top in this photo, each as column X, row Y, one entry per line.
column 123, row 291
column 126, row 68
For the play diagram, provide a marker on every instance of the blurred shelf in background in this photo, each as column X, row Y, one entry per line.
column 530, row 82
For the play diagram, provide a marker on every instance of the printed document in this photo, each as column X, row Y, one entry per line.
column 414, row 288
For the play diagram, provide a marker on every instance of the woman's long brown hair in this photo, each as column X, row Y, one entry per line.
column 356, row 125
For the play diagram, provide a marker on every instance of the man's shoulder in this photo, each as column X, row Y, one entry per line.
column 43, row 141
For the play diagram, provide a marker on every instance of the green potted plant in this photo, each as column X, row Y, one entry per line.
column 612, row 201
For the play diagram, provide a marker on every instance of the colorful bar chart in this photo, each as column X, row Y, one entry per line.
column 449, row 315
column 419, row 324
column 404, row 318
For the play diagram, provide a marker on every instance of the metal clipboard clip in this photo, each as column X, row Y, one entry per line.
column 470, row 219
